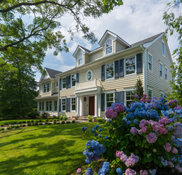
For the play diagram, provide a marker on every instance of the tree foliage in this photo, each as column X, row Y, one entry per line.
column 139, row 88
column 173, row 19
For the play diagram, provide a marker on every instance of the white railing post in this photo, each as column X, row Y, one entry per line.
column 96, row 106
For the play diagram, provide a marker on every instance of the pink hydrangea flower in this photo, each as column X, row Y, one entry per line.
column 179, row 168
column 164, row 120
column 162, row 130
column 143, row 172
column 119, row 153
column 143, row 123
column 174, row 151
column 167, row 147
column 130, row 172
column 143, row 130
column 123, row 158
column 79, row 170
column 151, row 137
column 118, row 107
column 132, row 160
column 134, row 130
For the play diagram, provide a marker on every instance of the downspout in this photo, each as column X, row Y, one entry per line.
column 145, row 68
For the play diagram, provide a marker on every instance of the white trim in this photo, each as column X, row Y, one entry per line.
column 71, row 80
column 108, row 47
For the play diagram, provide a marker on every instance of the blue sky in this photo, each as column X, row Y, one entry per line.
column 133, row 21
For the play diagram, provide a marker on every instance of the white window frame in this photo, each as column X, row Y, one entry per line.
column 106, row 71
column 150, row 62
column 71, row 80
column 128, row 90
column 163, row 48
column 62, row 83
column 109, row 46
column 160, row 64
column 62, row 104
column 56, row 85
column 165, row 73
column 125, row 65
column 110, row 92
column 71, row 104
column 80, row 57
column 87, row 74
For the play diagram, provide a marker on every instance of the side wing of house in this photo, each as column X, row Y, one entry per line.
column 158, row 68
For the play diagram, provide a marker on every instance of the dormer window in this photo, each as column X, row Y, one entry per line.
column 108, row 46
column 80, row 59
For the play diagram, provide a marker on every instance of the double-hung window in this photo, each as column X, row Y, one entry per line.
column 45, row 88
column 50, row 105
column 108, row 46
column 109, row 99
column 73, row 80
column 63, row 105
column 73, row 104
column 129, row 97
column 42, row 106
column 47, row 106
column 150, row 62
column 130, row 65
column 161, row 70
column 80, row 59
column 64, row 83
column 109, row 70
column 166, row 72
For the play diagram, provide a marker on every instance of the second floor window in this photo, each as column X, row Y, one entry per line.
column 73, row 80
column 64, row 83
column 130, row 65
column 46, row 87
column 109, row 99
column 108, row 46
column 63, row 104
column 109, row 70
column 161, row 70
column 149, row 62
column 165, row 73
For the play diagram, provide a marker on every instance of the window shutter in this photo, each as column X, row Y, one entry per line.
column 77, row 77
column 116, row 65
column 121, row 100
column 68, row 105
column 103, row 102
column 60, row 84
column 68, row 83
column 60, row 105
column 121, row 68
column 117, row 97
column 103, row 72
column 139, row 63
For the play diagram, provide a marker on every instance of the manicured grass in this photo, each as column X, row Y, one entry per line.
column 42, row 150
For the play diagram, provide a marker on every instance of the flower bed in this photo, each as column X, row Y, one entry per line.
column 143, row 139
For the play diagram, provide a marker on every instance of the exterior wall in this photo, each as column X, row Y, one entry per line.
column 154, row 81
column 119, row 46
column 96, row 55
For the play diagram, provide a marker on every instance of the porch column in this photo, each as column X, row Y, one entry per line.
column 96, row 106
column 99, row 105
column 81, row 106
column 78, row 106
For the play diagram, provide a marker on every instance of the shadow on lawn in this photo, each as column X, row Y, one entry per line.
column 52, row 153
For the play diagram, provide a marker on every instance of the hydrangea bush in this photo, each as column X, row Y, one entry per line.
column 143, row 139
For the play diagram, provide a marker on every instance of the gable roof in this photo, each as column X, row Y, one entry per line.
column 115, row 35
column 52, row 72
column 81, row 48
column 147, row 40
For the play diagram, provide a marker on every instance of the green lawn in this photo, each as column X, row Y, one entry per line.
column 42, row 150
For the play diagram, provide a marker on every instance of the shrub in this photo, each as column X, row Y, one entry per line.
column 68, row 122
column 45, row 115
column 63, row 122
column 73, row 121
column 143, row 138
column 65, row 118
column 99, row 119
column 33, row 114
column 90, row 118
column 61, row 117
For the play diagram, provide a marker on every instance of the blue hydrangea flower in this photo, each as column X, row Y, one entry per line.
column 119, row 171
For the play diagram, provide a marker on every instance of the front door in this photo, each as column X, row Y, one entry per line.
column 91, row 105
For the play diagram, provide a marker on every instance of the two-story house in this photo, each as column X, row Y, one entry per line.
column 107, row 74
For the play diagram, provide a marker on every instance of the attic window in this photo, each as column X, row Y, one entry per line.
column 108, row 46
column 80, row 59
